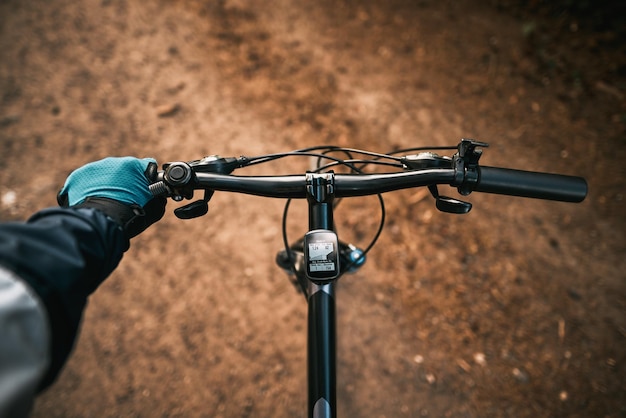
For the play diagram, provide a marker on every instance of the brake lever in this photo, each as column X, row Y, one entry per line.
column 195, row 209
column 449, row 204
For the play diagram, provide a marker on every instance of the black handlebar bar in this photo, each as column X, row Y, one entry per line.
column 346, row 185
column 490, row 180
column 287, row 187
column 462, row 171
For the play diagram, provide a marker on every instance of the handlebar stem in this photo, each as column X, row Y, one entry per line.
column 320, row 190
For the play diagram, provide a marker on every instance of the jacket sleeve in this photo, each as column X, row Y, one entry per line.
column 62, row 254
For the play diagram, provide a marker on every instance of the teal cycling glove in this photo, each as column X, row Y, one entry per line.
column 117, row 186
column 123, row 179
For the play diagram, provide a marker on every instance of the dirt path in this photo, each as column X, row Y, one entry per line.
column 514, row 310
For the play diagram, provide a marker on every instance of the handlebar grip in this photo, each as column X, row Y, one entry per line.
column 531, row 184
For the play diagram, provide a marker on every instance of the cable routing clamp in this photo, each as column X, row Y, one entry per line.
column 465, row 163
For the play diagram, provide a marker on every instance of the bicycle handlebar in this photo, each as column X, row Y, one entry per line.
column 178, row 180
column 490, row 180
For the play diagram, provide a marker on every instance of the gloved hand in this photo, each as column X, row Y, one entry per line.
column 118, row 186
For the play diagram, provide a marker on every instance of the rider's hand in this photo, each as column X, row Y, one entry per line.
column 118, row 186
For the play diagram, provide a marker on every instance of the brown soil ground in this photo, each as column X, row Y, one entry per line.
column 514, row 310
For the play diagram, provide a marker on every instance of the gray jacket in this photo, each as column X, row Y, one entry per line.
column 24, row 356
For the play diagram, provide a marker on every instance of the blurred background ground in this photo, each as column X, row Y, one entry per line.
column 514, row 310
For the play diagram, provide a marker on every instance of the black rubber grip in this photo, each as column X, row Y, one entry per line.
column 531, row 184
